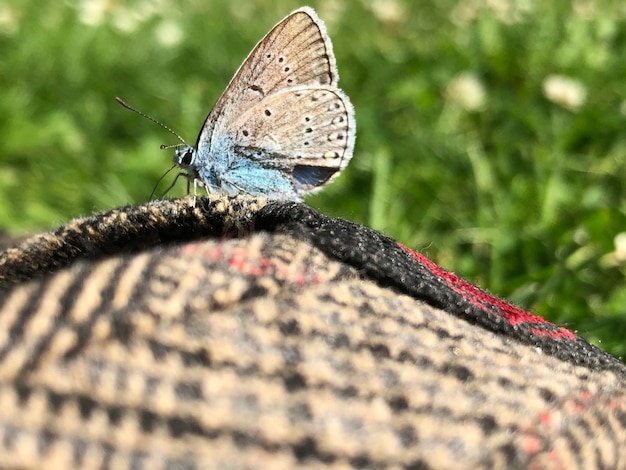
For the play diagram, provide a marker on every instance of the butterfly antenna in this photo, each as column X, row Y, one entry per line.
column 127, row 106
column 163, row 147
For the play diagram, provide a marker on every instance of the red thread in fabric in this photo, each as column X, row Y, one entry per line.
column 531, row 444
column 486, row 302
column 245, row 262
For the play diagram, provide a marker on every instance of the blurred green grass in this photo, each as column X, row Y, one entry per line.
column 490, row 133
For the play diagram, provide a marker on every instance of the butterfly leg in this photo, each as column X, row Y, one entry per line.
column 195, row 190
column 230, row 188
column 197, row 182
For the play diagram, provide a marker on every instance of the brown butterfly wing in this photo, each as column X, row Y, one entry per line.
column 296, row 52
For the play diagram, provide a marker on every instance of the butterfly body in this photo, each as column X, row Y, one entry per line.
column 281, row 128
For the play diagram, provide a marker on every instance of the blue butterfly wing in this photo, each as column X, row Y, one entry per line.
column 292, row 142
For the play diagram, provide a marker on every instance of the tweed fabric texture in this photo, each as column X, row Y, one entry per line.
column 239, row 334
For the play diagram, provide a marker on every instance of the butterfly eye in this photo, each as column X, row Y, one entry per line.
column 187, row 158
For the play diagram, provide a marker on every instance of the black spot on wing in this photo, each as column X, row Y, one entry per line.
column 312, row 175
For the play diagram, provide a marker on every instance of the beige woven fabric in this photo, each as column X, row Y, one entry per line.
column 148, row 339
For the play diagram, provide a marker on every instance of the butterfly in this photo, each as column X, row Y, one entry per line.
column 282, row 128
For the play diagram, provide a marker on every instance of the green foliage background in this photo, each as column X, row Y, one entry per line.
column 521, row 195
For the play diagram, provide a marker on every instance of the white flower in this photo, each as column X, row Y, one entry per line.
column 465, row 12
column 510, row 11
column 467, row 91
column 9, row 20
column 168, row 33
column 331, row 10
column 616, row 257
column 620, row 247
column 388, row 11
column 92, row 12
column 564, row 91
column 585, row 9
column 126, row 20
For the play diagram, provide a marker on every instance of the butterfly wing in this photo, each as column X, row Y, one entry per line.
column 292, row 142
column 296, row 52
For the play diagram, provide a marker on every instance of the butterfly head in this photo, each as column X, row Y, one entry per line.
column 184, row 157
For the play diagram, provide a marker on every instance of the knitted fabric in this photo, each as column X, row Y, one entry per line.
column 235, row 333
